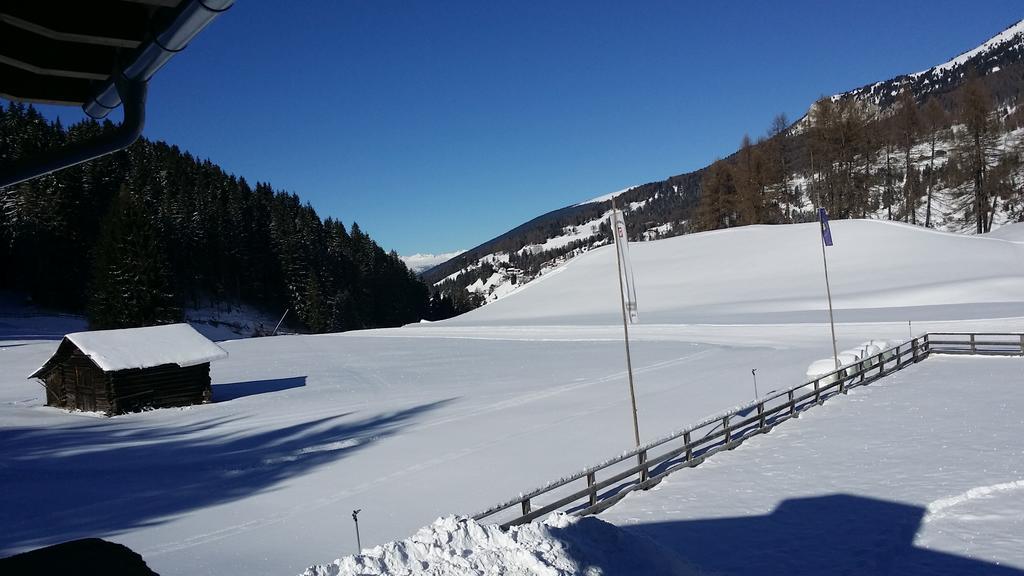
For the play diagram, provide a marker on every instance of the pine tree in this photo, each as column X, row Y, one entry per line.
column 131, row 282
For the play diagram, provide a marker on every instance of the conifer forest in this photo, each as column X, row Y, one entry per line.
column 136, row 237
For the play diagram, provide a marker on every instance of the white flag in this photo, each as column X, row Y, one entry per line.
column 625, row 268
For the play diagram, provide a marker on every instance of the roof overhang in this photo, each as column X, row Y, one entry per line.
column 94, row 54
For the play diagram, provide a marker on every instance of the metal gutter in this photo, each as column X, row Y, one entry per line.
column 158, row 51
column 127, row 86
column 134, row 96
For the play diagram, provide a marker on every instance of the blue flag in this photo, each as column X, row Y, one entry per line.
column 826, row 234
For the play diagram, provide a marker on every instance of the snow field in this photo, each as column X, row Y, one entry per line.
column 452, row 417
column 919, row 472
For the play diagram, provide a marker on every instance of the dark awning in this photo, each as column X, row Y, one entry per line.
column 62, row 52
column 91, row 53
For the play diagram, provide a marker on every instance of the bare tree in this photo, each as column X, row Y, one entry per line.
column 934, row 122
column 717, row 207
column 906, row 126
column 976, row 153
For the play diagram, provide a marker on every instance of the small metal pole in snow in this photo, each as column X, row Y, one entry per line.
column 274, row 333
column 625, row 330
column 828, row 289
column 355, row 518
column 753, row 372
column 910, row 329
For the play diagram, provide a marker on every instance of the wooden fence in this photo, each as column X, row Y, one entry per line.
column 596, row 488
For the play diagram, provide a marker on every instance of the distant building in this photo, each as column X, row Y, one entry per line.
column 117, row 371
column 513, row 274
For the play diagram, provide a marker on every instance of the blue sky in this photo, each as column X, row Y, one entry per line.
column 438, row 125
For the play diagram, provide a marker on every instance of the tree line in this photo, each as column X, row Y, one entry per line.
column 858, row 160
column 136, row 237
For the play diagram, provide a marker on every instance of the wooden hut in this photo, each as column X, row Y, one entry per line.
column 117, row 371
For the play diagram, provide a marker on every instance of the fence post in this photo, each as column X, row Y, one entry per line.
column 817, row 392
column 1022, row 343
column 792, row 404
column 591, row 480
column 760, row 413
column 642, row 458
column 526, row 506
column 974, row 347
column 689, row 449
column 728, row 431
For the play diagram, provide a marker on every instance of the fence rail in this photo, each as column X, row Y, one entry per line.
column 585, row 493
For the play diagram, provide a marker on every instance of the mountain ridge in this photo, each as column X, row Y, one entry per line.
column 665, row 208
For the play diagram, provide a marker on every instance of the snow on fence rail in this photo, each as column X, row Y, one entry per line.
column 585, row 493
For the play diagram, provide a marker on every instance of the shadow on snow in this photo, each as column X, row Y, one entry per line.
column 235, row 390
column 100, row 479
column 835, row 534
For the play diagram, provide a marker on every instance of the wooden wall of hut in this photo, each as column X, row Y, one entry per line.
column 160, row 387
column 77, row 383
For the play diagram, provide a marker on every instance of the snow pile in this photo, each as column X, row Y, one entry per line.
column 560, row 545
column 867, row 349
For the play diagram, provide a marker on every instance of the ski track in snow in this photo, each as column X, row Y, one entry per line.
column 320, row 503
column 938, row 508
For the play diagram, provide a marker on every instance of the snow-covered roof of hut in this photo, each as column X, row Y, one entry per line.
column 129, row 348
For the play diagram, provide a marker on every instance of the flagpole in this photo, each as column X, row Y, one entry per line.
column 625, row 324
column 828, row 291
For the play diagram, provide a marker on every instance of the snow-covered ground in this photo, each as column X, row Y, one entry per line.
column 919, row 473
column 447, row 418
column 558, row 546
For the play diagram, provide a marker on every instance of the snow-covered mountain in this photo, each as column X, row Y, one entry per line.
column 1001, row 53
column 666, row 208
column 420, row 262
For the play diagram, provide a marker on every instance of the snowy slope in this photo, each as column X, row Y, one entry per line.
column 606, row 197
column 997, row 54
column 879, row 270
column 425, row 421
column 1010, row 232
column 1012, row 35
